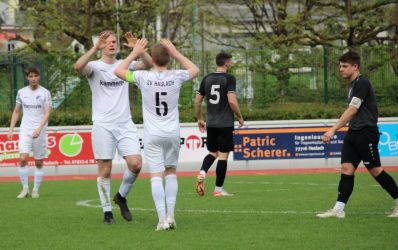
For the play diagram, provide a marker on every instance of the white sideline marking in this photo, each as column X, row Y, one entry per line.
column 280, row 183
column 241, row 192
column 86, row 203
column 292, row 183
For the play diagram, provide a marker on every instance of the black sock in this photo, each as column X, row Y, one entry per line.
column 121, row 197
column 207, row 162
column 346, row 186
column 387, row 182
column 221, row 171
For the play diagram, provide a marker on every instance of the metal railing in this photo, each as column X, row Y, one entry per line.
column 263, row 77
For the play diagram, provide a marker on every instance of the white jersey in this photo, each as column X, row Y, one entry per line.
column 110, row 94
column 33, row 103
column 160, row 93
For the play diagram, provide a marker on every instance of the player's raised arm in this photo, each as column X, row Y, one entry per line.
column 139, row 49
column 81, row 63
column 14, row 118
column 185, row 62
column 146, row 61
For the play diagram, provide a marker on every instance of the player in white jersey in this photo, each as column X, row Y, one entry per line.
column 160, row 90
column 36, row 106
column 113, row 127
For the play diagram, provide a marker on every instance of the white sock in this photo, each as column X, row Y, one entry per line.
column 158, row 196
column 396, row 201
column 171, row 189
column 38, row 179
column 339, row 206
column 23, row 176
column 104, row 190
column 217, row 189
column 203, row 173
column 127, row 182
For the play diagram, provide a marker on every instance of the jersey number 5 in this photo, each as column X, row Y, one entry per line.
column 214, row 92
column 159, row 104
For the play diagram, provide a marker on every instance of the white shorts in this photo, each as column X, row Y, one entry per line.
column 106, row 138
column 161, row 152
column 37, row 145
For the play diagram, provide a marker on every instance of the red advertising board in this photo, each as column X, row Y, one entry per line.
column 64, row 148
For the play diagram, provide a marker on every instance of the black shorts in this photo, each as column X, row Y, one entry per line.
column 361, row 145
column 220, row 139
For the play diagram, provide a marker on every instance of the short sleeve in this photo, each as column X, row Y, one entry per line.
column 201, row 90
column 231, row 83
column 18, row 99
column 138, row 77
column 361, row 89
column 89, row 70
column 182, row 75
column 48, row 100
column 133, row 65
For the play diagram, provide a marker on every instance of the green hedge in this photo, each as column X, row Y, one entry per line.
column 283, row 111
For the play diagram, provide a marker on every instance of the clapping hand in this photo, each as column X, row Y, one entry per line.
column 131, row 40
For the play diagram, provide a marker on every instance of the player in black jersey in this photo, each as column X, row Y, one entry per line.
column 362, row 139
column 219, row 90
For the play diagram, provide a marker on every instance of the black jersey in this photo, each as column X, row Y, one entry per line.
column 215, row 87
column 367, row 114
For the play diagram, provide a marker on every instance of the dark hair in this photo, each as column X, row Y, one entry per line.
column 222, row 58
column 160, row 55
column 351, row 57
column 32, row 70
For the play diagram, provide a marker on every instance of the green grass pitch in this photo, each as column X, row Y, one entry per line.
column 266, row 212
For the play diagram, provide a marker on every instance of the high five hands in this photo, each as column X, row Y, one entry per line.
column 130, row 39
column 140, row 47
column 102, row 40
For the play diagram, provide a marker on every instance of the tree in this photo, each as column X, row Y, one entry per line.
column 353, row 22
column 58, row 22
column 274, row 26
column 283, row 26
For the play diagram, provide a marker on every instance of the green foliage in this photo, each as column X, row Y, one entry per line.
column 292, row 111
column 68, row 118
column 388, row 111
column 280, row 111
column 80, row 20
column 283, row 37
column 304, row 99
column 5, row 118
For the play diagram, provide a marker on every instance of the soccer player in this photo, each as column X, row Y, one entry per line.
column 113, row 127
column 219, row 90
column 160, row 90
column 35, row 101
column 361, row 141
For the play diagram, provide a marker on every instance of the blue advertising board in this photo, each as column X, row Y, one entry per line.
column 388, row 144
column 285, row 143
column 302, row 143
